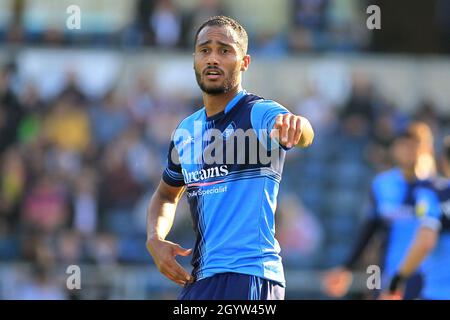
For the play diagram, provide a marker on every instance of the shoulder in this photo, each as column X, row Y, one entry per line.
column 265, row 110
column 267, row 105
column 184, row 132
column 388, row 180
column 189, row 120
column 387, row 176
column 440, row 184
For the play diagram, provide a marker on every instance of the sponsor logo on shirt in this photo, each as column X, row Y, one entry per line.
column 196, row 178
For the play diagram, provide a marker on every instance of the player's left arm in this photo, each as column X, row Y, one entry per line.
column 292, row 131
column 424, row 240
column 423, row 244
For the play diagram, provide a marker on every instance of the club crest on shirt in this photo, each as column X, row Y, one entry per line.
column 229, row 130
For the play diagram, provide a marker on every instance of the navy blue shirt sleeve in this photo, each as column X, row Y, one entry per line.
column 173, row 175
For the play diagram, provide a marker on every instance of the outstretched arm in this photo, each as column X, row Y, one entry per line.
column 292, row 130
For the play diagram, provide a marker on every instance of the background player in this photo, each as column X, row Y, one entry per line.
column 432, row 241
column 391, row 210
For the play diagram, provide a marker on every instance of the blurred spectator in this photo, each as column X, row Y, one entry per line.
column 41, row 285
column 67, row 126
column 119, row 191
column 46, row 206
column 299, row 232
column 141, row 101
column 166, row 24
column 347, row 30
column 309, row 23
column 103, row 249
column 11, row 111
column 443, row 24
column 144, row 10
column 310, row 14
column 12, row 184
column 273, row 45
column 388, row 123
column 72, row 91
column 313, row 25
column 34, row 109
column 109, row 119
column 85, row 204
column 69, row 248
column 317, row 110
column 137, row 158
column 359, row 111
column 194, row 18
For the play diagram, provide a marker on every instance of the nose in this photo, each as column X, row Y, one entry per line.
column 212, row 59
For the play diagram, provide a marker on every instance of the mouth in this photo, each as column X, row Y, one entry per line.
column 213, row 74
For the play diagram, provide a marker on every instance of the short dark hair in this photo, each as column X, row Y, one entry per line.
column 227, row 21
column 403, row 134
column 446, row 148
column 407, row 134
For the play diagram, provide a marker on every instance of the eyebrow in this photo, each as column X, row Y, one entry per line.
column 210, row 41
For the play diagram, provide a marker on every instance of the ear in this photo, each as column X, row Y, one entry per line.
column 445, row 164
column 245, row 63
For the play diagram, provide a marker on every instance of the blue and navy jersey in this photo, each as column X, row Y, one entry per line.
column 433, row 204
column 233, row 198
column 394, row 201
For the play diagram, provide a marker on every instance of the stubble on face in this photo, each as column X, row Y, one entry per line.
column 230, row 69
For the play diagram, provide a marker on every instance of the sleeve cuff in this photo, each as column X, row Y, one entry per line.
column 171, row 180
column 432, row 223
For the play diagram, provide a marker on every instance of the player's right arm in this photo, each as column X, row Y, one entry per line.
column 336, row 282
column 160, row 216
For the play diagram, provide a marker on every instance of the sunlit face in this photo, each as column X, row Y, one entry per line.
column 406, row 152
column 218, row 60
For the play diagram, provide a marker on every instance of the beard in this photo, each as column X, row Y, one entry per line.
column 227, row 85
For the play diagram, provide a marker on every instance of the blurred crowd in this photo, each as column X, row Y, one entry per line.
column 309, row 26
column 76, row 173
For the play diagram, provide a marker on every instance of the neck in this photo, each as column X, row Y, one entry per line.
column 409, row 174
column 217, row 103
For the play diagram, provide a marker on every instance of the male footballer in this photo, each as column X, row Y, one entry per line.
column 233, row 198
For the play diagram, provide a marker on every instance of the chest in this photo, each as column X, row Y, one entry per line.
column 395, row 201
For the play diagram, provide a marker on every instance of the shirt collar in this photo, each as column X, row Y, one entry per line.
column 229, row 106
column 235, row 100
